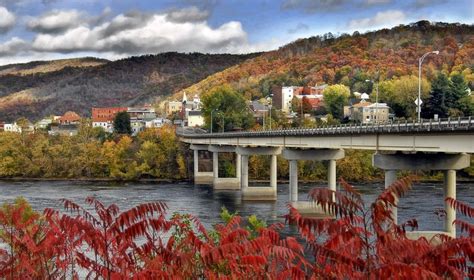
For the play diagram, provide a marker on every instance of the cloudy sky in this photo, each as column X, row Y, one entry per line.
column 52, row 29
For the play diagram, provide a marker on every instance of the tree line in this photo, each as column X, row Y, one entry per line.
column 153, row 154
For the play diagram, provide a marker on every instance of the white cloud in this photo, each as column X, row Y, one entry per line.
column 381, row 19
column 7, row 20
column 150, row 34
column 190, row 14
column 13, row 46
column 56, row 21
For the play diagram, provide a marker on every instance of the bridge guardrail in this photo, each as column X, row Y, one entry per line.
column 428, row 125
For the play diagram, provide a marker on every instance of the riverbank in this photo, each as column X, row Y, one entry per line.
column 186, row 181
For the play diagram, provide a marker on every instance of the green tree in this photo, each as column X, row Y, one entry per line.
column 122, row 123
column 436, row 103
column 458, row 96
column 229, row 110
column 335, row 97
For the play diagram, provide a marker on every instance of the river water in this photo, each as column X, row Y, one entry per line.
column 205, row 203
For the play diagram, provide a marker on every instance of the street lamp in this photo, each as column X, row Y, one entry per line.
column 418, row 101
column 376, row 99
column 212, row 111
column 270, row 109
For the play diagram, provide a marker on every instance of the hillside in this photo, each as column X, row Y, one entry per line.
column 38, row 89
column 351, row 59
column 35, row 67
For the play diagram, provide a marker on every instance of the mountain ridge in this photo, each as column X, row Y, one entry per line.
column 126, row 82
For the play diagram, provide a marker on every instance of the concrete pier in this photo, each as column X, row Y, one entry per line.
column 258, row 193
column 200, row 178
column 220, row 183
column 293, row 155
column 448, row 163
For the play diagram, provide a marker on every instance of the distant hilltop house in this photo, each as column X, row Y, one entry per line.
column 366, row 112
column 283, row 95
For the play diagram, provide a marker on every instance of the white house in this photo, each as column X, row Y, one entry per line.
column 195, row 118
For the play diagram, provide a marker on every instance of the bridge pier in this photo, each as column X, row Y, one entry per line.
column 448, row 163
column 220, row 183
column 258, row 193
column 293, row 155
column 200, row 178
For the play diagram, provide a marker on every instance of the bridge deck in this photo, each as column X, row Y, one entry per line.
column 449, row 136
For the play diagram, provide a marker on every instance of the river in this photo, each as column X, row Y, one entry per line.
column 205, row 203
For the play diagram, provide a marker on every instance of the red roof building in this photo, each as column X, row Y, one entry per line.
column 106, row 114
column 70, row 117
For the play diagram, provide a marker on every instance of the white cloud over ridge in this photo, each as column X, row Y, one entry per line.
column 380, row 19
column 55, row 21
column 69, row 32
column 124, row 35
column 7, row 20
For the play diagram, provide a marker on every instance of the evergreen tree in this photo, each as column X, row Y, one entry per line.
column 459, row 98
column 437, row 103
column 122, row 123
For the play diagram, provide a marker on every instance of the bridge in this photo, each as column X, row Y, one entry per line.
column 444, row 145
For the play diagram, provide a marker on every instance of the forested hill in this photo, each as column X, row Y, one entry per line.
column 351, row 59
column 38, row 89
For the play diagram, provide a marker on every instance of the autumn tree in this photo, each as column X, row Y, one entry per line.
column 335, row 97
column 228, row 108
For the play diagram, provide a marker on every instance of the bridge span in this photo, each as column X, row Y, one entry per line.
column 443, row 145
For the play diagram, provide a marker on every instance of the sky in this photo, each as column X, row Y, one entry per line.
column 113, row 29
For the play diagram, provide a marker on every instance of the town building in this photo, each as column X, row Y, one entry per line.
column 282, row 96
column 195, row 118
column 70, row 117
column 14, row 127
column 64, row 129
column 44, row 123
column 104, row 117
column 366, row 112
column 172, row 107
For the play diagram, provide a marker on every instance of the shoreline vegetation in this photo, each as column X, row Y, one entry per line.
column 156, row 156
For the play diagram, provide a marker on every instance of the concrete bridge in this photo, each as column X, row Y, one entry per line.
column 443, row 145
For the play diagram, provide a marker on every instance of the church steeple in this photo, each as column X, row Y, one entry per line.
column 185, row 98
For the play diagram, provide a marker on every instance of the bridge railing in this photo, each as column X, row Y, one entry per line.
column 425, row 125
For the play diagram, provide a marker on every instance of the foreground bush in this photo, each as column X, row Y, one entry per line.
column 362, row 242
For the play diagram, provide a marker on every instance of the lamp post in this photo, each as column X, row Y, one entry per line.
column 420, row 61
column 376, row 99
column 270, row 109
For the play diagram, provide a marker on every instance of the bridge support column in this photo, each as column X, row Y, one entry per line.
column 293, row 155
column 450, row 191
column 448, row 163
column 293, row 181
column 200, row 177
column 259, row 193
column 220, row 183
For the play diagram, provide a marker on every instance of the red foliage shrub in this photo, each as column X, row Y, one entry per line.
column 358, row 241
